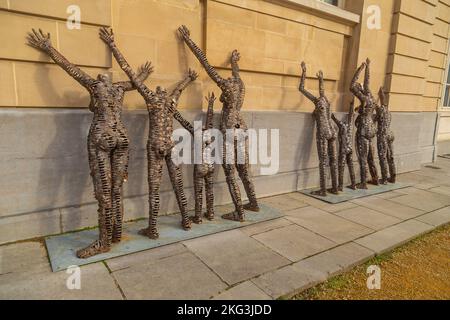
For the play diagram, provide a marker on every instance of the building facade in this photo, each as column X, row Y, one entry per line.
column 44, row 118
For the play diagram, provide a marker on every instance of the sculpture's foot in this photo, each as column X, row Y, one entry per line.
column 321, row 193
column 341, row 188
column 352, row 186
column 196, row 219
column 149, row 232
column 234, row 216
column 96, row 247
column 209, row 216
column 361, row 186
column 186, row 224
column 384, row 181
column 333, row 191
column 251, row 207
column 392, row 179
column 116, row 240
column 374, row 182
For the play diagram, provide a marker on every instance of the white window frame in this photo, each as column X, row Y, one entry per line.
column 446, row 84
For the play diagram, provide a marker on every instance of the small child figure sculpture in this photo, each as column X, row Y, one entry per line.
column 345, row 137
column 203, row 171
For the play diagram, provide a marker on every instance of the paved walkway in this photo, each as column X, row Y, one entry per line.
column 312, row 242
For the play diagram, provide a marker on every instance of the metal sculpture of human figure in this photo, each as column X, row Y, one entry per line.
column 160, row 142
column 232, row 98
column 345, row 137
column 365, row 126
column 325, row 135
column 204, row 171
column 385, row 140
column 107, row 142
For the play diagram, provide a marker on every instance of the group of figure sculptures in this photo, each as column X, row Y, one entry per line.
column 373, row 120
column 108, row 144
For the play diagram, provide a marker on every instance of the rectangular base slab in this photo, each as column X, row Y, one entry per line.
column 349, row 194
column 62, row 248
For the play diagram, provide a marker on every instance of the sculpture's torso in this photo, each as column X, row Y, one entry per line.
column 160, row 126
column 384, row 122
column 345, row 137
column 365, row 126
column 107, row 129
column 322, row 116
column 232, row 97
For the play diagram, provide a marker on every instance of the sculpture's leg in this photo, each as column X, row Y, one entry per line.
column 198, row 190
column 382, row 155
column 363, row 151
column 351, row 170
column 243, row 171
column 322, row 153
column 119, row 165
column 372, row 167
column 341, row 163
column 209, row 186
column 332, row 155
column 391, row 161
column 229, row 168
column 176, row 178
column 154, row 168
column 101, row 174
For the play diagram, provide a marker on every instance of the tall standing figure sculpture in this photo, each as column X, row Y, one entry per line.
column 232, row 97
column 160, row 142
column 325, row 135
column 365, row 126
column 345, row 137
column 107, row 142
column 202, row 171
column 385, row 140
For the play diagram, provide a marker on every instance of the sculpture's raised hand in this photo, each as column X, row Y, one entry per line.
column 107, row 35
column 367, row 62
column 210, row 98
column 303, row 66
column 146, row 69
column 192, row 74
column 39, row 40
column 235, row 56
column 184, row 32
column 319, row 74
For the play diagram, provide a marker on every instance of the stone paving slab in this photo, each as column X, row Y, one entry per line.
column 62, row 248
column 368, row 217
column 338, row 259
column 181, row 276
column 244, row 291
column 327, row 225
column 436, row 218
column 284, row 202
column 445, row 190
column 294, row 242
column 349, row 194
column 389, row 207
column 423, row 200
column 392, row 237
column 321, row 204
column 96, row 283
column 234, row 256
column 288, row 280
column 265, row 226
column 129, row 260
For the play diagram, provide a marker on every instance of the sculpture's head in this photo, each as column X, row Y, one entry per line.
column 160, row 91
column 104, row 77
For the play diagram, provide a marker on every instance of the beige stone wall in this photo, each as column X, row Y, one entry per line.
column 419, row 51
column 408, row 52
column 28, row 78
